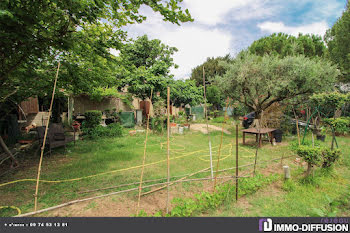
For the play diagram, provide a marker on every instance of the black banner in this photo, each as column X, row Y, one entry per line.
column 180, row 225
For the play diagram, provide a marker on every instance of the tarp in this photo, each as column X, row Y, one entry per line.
column 127, row 119
column 230, row 111
column 198, row 111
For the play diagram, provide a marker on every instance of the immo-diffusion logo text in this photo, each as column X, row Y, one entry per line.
column 266, row 225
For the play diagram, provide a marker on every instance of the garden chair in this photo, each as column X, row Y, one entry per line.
column 55, row 136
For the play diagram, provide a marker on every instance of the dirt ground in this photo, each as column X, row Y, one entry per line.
column 125, row 205
column 203, row 128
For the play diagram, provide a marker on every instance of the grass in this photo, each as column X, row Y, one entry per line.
column 189, row 153
column 327, row 193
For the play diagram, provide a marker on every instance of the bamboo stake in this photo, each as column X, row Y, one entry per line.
column 236, row 162
column 257, row 148
column 144, row 157
column 219, row 153
column 168, row 151
column 44, row 141
column 206, row 117
column 297, row 125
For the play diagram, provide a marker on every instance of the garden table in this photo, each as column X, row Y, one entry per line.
column 258, row 133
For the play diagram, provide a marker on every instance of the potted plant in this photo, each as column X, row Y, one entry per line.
column 321, row 134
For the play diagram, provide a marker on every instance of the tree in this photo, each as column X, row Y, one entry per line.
column 32, row 31
column 35, row 34
column 211, row 69
column 283, row 45
column 185, row 92
column 338, row 40
column 215, row 96
column 148, row 64
column 258, row 82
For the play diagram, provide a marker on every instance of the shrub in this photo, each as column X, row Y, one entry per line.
column 330, row 157
column 219, row 120
column 294, row 145
column 341, row 125
column 92, row 119
column 311, row 155
column 157, row 124
column 112, row 130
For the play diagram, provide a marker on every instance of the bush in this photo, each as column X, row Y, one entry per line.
column 316, row 155
column 294, row 145
column 219, row 120
column 330, row 157
column 92, row 119
column 311, row 155
column 157, row 124
column 341, row 125
column 112, row 130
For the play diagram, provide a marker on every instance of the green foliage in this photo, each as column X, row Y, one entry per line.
column 330, row 157
column 330, row 210
column 316, row 155
column 212, row 67
column 258, row 82
column 100, row 93
column 112, row 130
column 92, row 119
column 341, row 125
column 311, row 155
column 283, row 45
column 215, row 96
column 328, row 103
column 52, row 30
column 183, row 92
column 186, row 207
column 157, row 124
column 338, row 40
column 219, row 120
column 147, row 66
column 289, row 186
column 293, row 145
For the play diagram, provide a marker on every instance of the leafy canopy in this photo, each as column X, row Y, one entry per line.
column 283, row 45
column 147, row 64
column 35, row 33
column 258, row 82
column 338, row 40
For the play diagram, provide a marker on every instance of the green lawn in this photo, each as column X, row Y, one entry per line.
column 327, row 194
column 115, row 161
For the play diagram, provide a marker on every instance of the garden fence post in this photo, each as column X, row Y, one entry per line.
column 236, row 162
column 168, row 150
column 44, row 141
column 144, row 158
column 219, row 152
column 206, row 117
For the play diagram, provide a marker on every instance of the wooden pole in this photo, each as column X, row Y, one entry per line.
column 206, row 117
column 168, row 150
column 144, row 158
column 297, row 125
column 219, row 153
column 44, row 141
column 236, row 162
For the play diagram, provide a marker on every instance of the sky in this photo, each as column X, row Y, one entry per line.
column 223, row 27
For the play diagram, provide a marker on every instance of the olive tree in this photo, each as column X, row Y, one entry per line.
column 258, row 82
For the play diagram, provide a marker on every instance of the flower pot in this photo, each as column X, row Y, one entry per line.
column 173, row 124
column 321, row 137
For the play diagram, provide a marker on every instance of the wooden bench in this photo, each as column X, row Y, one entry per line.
column 258, row 133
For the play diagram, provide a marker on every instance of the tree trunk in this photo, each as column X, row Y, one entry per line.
column 309, row 169
column 8, row 152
